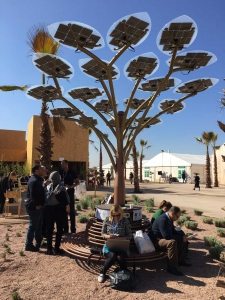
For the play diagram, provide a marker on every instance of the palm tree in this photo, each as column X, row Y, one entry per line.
column 40, row 41
column 144, row 146
column 214, row 139
column 206, row 139
column 135, row 156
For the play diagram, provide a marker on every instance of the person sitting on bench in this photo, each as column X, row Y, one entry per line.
column 169, row 239
column 114, row 226
column 164, row 206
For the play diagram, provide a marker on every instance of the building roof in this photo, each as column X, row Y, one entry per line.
column 175, row 159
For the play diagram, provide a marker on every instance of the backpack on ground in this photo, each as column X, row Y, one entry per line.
column 122, row 280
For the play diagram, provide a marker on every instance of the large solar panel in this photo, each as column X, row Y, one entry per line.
column 93, row 69
column 141, row 66
column 64, row 112
column 76, row 34
column 85, row 93
column 128, row 31
column 191, row 61
column 87, row 122
column 135, row 103
column 153, row 85
column 47, row 93
column 195, row 86
column 152, row 121
column 104, row 106
column 53, row 66
column 169, row 103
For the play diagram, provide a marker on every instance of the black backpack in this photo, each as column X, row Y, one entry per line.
column 122, row 280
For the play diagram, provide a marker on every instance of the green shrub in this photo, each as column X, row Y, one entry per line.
column 16, row 296
column 21, row 253
column 191, row 225
column 85, row 203
column 207, row 220
column 211, row 241
column 136, row 200
column 198, row 212
column 150, row 202
column 149, row 209
column 220, row 223
column 78, row 207
column 221, row 232
column 215, row 251
column 91, row 214
column 183, row 219
column 83, row 219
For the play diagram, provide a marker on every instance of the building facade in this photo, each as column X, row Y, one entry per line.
column 72, row 145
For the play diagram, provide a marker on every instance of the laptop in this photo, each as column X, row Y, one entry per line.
column 118, row 244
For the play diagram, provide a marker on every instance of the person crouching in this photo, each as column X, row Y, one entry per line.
column 56, row 206
column 115, row 225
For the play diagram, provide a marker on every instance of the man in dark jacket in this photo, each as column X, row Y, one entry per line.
column 6, row 184
column 169, row 239
column 34, row 206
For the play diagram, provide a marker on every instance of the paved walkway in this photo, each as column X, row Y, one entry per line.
column 210, row 201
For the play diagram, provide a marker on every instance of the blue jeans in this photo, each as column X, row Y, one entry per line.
column 35, row 227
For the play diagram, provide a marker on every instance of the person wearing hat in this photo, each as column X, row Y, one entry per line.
column 56, row 206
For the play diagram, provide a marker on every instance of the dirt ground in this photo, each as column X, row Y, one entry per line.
column 38, row 276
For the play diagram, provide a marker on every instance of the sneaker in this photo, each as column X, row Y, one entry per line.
column 31, row 248
column 175, row 271
column 101, row 278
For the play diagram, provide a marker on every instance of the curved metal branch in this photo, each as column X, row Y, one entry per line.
column 140, row 128
column 119, row 53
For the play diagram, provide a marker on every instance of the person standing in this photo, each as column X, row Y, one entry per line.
column 184, row 176
column 6, row 184
column 69, row 180
column 197, row 182
column 131, row 177
column 108, row 178
column 56, row 206
column 34, row 206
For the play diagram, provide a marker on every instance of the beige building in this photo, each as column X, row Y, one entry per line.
column 220, row 155
column 72, row 145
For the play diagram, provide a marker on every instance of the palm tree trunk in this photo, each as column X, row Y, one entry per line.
column 216, row 183
column 208, row 175
column 141, row 159
column 135, row 162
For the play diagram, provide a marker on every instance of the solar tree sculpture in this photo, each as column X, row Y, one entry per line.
column 124, row 125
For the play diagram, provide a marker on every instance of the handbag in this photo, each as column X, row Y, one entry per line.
column 143, row 242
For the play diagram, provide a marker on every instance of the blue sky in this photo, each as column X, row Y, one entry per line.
column 177, row 132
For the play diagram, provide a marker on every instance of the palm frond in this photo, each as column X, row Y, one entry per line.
column 40, row 40
column 58, row 126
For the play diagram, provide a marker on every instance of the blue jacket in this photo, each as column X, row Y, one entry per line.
column 163, row 228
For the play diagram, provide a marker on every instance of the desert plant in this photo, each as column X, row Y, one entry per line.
column 16, row 296
column 18, row 234
column 91, row 214
column 150, row 202
column 183, row 219
column 95, row 202
column 136, row 200
column 220, row 223
column 83, row 219
column 78, row 207
column 149, row 209
column 198, row 212
column 221, row 232
column 4, row 255
column 21, row 253
column 191, row 225
column 211, row 241
column 85, row 203
column 207, row 220
column 215, row 251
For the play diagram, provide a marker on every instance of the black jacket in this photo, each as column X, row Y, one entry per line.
column 35, row 192
column 163, row 228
